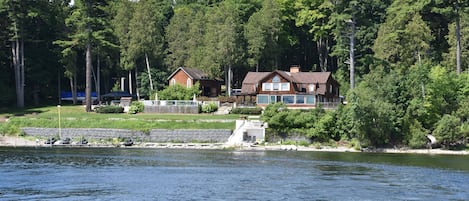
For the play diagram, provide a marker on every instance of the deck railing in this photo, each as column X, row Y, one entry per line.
column 329, row 105
column 168, row 102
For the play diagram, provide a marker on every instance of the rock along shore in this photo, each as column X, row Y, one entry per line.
column 10, row 141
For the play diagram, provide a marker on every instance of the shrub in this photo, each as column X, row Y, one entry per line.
column 8, row 129
column 418, row 134
column 209, row 108
column 136, row 107
column 179, row 92
column 204, row 98
column 355, row 143
column 109, row 109
column 255, row 110
column 447, row 130
column 303, row 143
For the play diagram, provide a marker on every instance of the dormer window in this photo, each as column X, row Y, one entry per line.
column 312, row 87
column 276, row 79
column 276, row 85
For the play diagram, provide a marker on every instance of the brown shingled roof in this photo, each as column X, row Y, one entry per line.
column 252, row 79
column 193, row 73
column 255, row 77
column 311, row 77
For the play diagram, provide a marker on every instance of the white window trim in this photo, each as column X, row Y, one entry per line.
column 268, row 86
column 287, row 84
column 173, row 81
column 189, row 83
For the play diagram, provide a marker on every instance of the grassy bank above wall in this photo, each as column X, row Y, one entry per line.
column 76, row 117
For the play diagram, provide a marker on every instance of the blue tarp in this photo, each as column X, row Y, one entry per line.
column 67, row 95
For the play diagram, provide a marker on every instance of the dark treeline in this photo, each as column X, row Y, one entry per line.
column 410, row 57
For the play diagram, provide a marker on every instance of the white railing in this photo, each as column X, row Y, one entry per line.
column 177, row 102
column 329, row 105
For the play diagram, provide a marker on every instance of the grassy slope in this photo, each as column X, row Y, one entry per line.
column 76, row 117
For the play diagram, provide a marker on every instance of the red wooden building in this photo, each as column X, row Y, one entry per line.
column 189, row 76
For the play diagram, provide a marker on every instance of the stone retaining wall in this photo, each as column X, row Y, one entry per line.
column 155, row 135
column 182, row 135
column 188, row 109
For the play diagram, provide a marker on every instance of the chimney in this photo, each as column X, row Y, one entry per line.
column 294, row 68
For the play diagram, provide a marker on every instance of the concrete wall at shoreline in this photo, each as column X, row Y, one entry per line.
column 155, row 135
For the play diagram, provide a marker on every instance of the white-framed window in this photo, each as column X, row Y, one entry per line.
column 283, row 86
column 310, row 99
column 273, row 99
column 300, row 99
column 189, row 83
column 262, row 99
column 275, row 86
column 173, row 81
column 289, row 99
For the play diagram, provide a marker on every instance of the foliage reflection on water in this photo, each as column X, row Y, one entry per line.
column 171, row 174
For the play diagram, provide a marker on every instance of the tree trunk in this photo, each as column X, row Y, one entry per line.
column 88, row 77
column 22, row 74
column 323, row 53
column 149, row 73
column 352, row 55
column 458, row 42
column 130, row 82
column 17, row 58
column 136, row 85
column 72, row 89
column 228, row 82
column 98, row 75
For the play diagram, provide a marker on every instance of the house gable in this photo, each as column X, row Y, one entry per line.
column 180, row 77
column 189, row 76
column 276, row 82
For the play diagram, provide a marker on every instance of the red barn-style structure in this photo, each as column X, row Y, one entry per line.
column 189, row 76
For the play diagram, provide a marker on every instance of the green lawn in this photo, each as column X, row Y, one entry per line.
column 76, row 117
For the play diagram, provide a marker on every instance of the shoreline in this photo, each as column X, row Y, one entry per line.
column 10, row 141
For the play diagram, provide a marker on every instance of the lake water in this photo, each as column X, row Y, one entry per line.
column 172, row 174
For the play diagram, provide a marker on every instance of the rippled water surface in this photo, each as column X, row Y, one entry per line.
column 168, row 174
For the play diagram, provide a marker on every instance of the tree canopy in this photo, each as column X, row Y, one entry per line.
column 410, row 55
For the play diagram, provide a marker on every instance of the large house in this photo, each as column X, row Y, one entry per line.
column 189, row 76
column 294, row 88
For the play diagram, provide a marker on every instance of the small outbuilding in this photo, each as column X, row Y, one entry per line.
column 189, row 76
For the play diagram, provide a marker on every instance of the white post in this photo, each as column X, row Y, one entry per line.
column 60, row 132
column 122, row 83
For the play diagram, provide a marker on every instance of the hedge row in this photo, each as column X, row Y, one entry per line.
column 247, row 110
